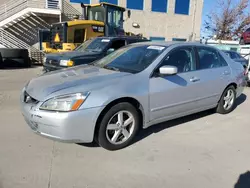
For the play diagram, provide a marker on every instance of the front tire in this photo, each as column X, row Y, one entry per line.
column 118, row 126
column 227, row 101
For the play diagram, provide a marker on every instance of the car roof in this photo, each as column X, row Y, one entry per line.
column 172, row 43
column 124, row 37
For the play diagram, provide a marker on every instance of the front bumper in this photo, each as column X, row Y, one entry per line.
column 73, row 127
column 49, row 68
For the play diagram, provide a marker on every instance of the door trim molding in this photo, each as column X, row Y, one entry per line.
column 182, row 103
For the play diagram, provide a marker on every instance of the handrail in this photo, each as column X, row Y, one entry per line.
column 9, row 40
column 14, row 6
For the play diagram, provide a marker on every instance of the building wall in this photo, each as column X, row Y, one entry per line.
column 160, row 25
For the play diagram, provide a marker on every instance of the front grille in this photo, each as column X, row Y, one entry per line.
column 56, row 45
column 28, row 99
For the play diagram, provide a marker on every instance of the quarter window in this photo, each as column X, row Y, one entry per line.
column 183, row 59
column 210, row 58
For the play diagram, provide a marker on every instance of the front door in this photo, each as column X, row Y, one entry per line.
column 174, row 95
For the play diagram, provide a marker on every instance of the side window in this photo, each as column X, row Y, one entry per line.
column 234, row 55
column 183, row 59
column 79, row 36
column 117, row 44
column 222, row 61
column 210, row 58
column 131, row 41
column 238, row 55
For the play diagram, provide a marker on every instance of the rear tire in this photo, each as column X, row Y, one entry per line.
column 118, row 126
column 242, row 42
column 227, row 101
column 1, row 61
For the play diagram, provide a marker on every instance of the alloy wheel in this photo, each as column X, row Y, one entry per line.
column 120, row 127
column 228, row 99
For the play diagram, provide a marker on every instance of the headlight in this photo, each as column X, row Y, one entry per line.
column 65, row 103
column 67, row 63
column 44, row 60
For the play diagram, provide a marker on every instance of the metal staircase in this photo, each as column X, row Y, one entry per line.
column 10, row 41
column 20, row 21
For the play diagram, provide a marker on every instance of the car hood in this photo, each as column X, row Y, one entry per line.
column 85, row 78
column 70, row 55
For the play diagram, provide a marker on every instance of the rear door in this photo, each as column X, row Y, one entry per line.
column 214, row 75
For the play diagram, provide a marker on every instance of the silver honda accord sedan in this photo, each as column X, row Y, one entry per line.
column 137, row 86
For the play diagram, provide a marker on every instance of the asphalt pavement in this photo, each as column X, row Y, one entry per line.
column 204, row 150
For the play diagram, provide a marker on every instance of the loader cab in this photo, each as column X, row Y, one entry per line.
column 101, row 19
column 111, row 15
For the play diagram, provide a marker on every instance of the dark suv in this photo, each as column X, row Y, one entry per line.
column 245, row 38
column 88, row 52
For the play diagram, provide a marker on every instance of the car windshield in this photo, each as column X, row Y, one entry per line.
column 132, row 59
column 95, row 45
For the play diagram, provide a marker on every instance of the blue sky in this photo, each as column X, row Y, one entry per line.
column 207, row 7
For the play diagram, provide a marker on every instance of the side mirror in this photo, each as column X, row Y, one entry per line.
column 168, row 70
column 129, row 13
column 110, row 50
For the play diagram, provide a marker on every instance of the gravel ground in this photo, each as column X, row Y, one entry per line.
column 203, row 150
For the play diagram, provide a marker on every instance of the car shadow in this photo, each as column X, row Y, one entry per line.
column 144, row 133
column 243, row 181
column 89, row 145
column 176, row 80
column 241, row 99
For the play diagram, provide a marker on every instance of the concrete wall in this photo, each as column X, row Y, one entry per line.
column 157, row 24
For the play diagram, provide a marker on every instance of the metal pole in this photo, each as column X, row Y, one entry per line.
column 248, row 67
column 61, row 10
column 194, row 19
column 5, row 10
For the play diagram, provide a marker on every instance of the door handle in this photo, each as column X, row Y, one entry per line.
column 226, row 73
column 194, row 79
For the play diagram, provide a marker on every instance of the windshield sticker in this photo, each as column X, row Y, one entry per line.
column 160, row 48
column 105, row 40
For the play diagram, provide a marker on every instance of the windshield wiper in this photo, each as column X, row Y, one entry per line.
column 111, row 68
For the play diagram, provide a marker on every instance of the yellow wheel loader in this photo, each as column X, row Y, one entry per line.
column 102, row 19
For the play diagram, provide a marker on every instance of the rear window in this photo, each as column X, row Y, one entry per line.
column 248, row 30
